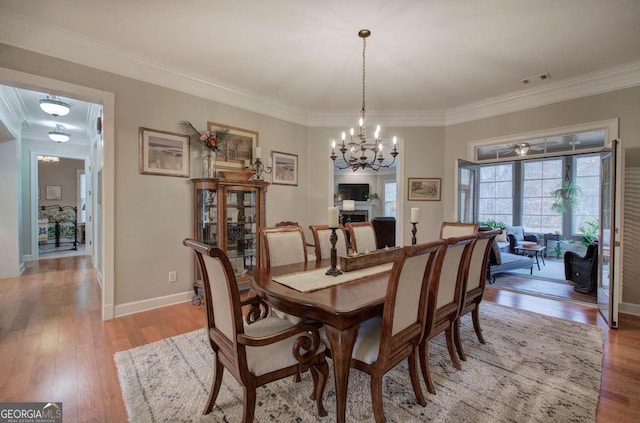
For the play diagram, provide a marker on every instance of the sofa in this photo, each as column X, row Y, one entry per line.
column 500, row 261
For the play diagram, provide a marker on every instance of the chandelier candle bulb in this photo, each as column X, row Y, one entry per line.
column 333, row 217
column 258, row 153
column 415, row 215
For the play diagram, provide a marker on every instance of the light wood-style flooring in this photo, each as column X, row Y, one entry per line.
column 55, row 347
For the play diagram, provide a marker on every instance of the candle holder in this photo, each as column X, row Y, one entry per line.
column 259, row 168
column 414, row 231
column 333, row 271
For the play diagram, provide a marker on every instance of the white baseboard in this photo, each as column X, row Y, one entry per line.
column 628, row 308
column 152, row 303
column 27, row 257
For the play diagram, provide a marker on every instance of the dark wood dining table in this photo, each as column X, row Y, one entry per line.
column 341, row 308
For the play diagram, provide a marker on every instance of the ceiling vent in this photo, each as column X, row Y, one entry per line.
column 542, row 77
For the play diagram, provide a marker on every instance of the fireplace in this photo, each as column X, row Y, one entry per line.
column 347, row 216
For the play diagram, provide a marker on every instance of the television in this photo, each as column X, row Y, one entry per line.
column 357, row 192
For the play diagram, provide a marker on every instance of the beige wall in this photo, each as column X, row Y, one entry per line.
column 62, row 174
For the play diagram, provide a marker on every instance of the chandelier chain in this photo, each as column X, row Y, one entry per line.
column 364, row 47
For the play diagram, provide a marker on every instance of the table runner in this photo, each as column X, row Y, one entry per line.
column 316, row 279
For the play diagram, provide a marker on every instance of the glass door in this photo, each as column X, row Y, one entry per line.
column 609, row 248
column 466, row 191
column 242, row 228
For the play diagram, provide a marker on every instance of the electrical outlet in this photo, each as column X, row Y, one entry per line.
column 173, row 276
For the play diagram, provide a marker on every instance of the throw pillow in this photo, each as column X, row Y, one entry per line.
column 502, row 236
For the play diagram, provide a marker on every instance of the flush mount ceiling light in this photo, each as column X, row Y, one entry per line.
column 54, row 106
column 59, row 134
column 362, row 154
column 522, row 148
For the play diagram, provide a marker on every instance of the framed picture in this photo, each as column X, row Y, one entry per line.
column 164, row 153
column 285, row 168
column 424, row 189
column 239, row 145
column 53, row 192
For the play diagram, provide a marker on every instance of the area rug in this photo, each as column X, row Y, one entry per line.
column 533, row 368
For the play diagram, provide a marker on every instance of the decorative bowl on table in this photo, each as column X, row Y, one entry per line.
column 236, row 175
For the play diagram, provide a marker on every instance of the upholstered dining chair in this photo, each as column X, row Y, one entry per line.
column 454, row 229
column 476, row 281
column 321, row 234
column 266, row 350
column 383, row 342
column 283, row 245
column 445, row 295
column 363, row 236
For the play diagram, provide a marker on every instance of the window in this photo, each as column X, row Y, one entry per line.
column 587, row 178
column 540, row 179
column 495, row 199
column 390, row 198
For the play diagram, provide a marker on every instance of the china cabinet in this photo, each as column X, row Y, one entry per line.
column 227, row 214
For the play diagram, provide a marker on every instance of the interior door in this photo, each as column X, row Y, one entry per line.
column 467, row 191
column 610, row 249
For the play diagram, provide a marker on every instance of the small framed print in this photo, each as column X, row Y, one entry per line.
column 53, row 192
column 285, row 168
column 164, row 153
column 424, row 189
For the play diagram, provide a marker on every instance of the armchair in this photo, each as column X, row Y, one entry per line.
column 582, row 270
column 516, row 235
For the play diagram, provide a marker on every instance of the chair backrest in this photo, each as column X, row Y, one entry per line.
column 404, row 312
column 222, row 298
column 447, row 288
column 321, row 234
column 480, row 259
column 283, row 245
column 363, row 236
column 516, row 231
column 286, row 223
column 456, row 229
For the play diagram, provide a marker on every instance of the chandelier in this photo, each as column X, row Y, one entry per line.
column 54, row 106
column 362, row 154
column 59, row 134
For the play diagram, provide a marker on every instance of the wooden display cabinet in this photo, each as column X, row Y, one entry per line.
column 227, row 214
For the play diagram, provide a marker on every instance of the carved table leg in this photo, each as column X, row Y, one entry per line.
column 341, row 344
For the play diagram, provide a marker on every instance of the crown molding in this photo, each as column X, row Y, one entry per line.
column 22, row 33
column 12, row 110
column 612, row 79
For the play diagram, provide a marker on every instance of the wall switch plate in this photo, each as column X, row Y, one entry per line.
column 173, row 276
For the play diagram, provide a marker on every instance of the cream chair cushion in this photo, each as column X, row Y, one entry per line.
column 325, row 243
column 365, row 238
column 476, row 271
column 449, row 275
column 286, row 248
column 269, row 358
column 454, row 231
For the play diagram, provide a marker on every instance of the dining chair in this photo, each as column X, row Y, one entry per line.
column 476, row 281
column 321, row 234
column 283, row 245
column 445, row 295
column 255, row 353
column 454, row 229
column 286, row 223
column 384, row 341
column 363, row 236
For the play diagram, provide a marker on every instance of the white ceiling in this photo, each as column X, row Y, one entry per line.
column 427, row 61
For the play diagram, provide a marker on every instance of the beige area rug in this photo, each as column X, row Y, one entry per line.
column 533, row 369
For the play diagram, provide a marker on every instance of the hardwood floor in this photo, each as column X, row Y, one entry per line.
column 55, row 347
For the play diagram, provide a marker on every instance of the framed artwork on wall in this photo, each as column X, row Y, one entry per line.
column 54, row 192
column 424, row 189
column 285, row 168
column 163, row 153
column 238, row 145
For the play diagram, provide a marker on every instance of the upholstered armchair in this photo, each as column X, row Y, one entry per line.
column 516, row 236
column 582, row 270
column 322, row 243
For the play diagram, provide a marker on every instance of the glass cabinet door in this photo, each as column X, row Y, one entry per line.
column 207, row 216
column 242, row 229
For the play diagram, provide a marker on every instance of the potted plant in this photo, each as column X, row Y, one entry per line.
column 564, row 197
column 589, row 231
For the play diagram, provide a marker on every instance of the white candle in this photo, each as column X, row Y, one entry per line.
column 258, row 153
column 247, row 163
column 333, row 217
column 415, row 214
column 269, row 163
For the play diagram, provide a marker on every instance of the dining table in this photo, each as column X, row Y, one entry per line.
column 341, row 308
